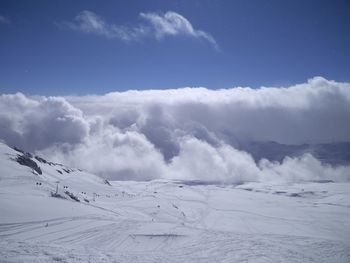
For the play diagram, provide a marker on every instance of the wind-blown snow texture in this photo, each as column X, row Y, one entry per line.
column 165, row 221
column 231, row 135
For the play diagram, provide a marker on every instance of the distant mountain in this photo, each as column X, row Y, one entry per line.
column 331, row 153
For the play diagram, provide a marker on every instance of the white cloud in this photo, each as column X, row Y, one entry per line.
column 36, row 124
column 316, row 111
column 199, row 160
column 189, row 133
column 90, row 23
column 4, row 20
column 303, row 168
column 155, row 25
column 113, row 154
column 172, row 24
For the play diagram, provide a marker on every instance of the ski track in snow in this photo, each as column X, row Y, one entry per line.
column 165, row 221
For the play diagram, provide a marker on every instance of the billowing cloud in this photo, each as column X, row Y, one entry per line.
column 316, row 111
column 154, row 25
column 34, row 124
column 113, row 155
column 187, row 134
column 198, row 160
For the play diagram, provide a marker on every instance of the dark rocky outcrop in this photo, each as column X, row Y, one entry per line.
column 66, row 170
column 107, row 182
column 42, row 160
column 26, row 160
column 72, row 196
column 56, row 195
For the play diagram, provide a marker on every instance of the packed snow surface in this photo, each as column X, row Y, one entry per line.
column 89, row 219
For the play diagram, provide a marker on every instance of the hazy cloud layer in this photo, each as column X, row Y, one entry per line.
column 189, row 133
column 154, row 25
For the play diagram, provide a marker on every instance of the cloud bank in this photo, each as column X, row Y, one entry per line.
column 154, row 25
column 187, row 134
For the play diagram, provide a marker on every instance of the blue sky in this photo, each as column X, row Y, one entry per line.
column 56, row 47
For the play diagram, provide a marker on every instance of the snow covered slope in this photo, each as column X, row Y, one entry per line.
column 88, row 219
